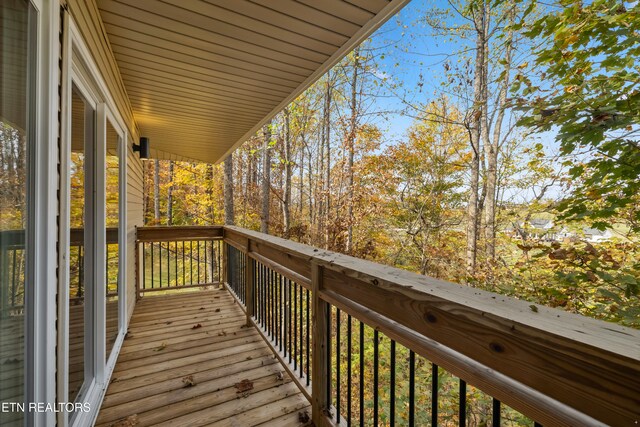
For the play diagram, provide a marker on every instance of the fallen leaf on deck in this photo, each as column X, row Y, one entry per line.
column 162, row 347
column 217, row 310
column 244, row 386
column 222, row 334
column 196, row 326
column 188, row 381
column 168, row 323
column 201, row 308
column 303, row 417
column 130, row 421
column 279, row 376
column 249, row 357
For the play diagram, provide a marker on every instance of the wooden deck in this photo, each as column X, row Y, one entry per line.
column 189, row 360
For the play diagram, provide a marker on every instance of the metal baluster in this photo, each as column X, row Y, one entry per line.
column 348, row 370
column 463, row 404
column 337, row 364
column 495, row 413
column 392, row 384
column 361, row 380
column 412, row 388
column 434, row 394
column 375, row 376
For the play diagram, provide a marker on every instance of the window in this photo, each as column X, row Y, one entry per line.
column 17, row 74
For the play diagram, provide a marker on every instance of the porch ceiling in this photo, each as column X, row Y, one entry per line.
column 204, row 75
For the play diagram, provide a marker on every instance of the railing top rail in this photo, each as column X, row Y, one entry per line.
column 177, row 233
column 14, row 239
column 587, row 364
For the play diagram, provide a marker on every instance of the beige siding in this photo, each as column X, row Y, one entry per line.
column 84, row 14
column 134, row 218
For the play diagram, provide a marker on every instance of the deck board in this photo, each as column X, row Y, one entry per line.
column 162, row 348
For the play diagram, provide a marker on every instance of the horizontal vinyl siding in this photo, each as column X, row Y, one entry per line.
column 135, row 218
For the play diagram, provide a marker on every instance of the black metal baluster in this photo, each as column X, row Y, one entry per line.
column 152, row 266
column 376, row 342
column 392, row 384
column 184, row 277
column 198, row 259
column 535, row 424
column 176, row 259
column 308, row 334
column 206, row 262
column 361, row 380
column 348, row 370
column 301, row 336
column 463, row 404
column 434, row 394
column 13, row 277
column 412, row 388
column 144, row 267
column 337, row 364
column 168, row 264
column 280, row 311
column 328, row 357
column 295, row 325
column 191, row 262
column 289, row 348
column 495, row 413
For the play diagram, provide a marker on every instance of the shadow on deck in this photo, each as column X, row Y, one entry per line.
column 189, row 359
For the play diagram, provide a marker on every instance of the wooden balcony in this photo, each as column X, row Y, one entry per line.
column 189, row 359
column 287, row 334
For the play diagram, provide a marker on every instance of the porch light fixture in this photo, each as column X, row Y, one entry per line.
column 142, row 148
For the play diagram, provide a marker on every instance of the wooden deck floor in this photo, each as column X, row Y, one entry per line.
column 188, row 360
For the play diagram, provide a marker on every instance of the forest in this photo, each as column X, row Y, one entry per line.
column 494, row 145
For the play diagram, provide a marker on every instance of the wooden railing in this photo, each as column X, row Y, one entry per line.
column 12, row 274
column 169, row 258
column 366, row 343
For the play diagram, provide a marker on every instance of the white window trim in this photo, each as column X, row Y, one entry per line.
column 40, row 310
column 79, row 67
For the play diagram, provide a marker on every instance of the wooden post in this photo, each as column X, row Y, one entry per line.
column 137, row 258
column 321, row 355
column 249, row 283
column 225, row 267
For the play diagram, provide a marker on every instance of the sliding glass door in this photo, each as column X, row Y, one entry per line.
column 81, row 293
column 17, row 106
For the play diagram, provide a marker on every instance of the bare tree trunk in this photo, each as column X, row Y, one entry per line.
column 156, row 192
column 475, row 130
column 286, row 200
column 170, row 195
column 351, row 147
column 492, row 153
column 228, row 190
column 266, row 178
column 327, row 171
column 301, row 181
column 211, row 205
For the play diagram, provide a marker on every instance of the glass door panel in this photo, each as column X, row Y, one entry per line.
column 112, row 193
column 81, row 241
column 17, row 38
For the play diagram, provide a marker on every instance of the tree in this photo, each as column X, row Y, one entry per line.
column 587, row 87
column 266, row 178
column 229, row 211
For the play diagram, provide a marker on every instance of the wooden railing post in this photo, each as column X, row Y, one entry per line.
column 138, row 275
column 249, row 283
column 320, row 340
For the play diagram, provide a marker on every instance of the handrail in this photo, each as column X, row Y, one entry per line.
column 177, row 257
column 556, row 367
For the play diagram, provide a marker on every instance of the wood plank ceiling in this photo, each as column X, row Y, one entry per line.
column 204, row 75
